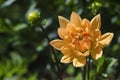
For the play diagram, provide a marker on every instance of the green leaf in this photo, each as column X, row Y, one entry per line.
column 112, row 62
column 7, row 3
column 16, row 58
column 70, row 70
column 33, row 76
column 43, row 21
column 105, row 67
column 20, row 27
column 100, row 64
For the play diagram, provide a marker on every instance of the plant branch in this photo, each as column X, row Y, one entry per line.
column 88, row 77
column 84, row 73
column 52, row 49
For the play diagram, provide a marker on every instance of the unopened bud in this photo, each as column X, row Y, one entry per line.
column 33, row 17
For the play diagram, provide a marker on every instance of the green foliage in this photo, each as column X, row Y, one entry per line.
column 94, row 7
column 24, row 51
column 105, row 67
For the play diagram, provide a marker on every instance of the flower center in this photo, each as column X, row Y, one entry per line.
column 81, row 40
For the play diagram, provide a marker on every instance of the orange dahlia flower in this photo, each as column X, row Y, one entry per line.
column 80, row 38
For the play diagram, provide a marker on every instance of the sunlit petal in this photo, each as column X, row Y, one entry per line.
column 78, row 53
column 66, row 59
column 97, row 53
column 66, row 50
column 71, row 27
column 106, row 39
column 75, row 19
column 86, row 53
column 63, row 34
column 97, row 34
column 96, row 37
column 79, row 62
column 58, row 44
column 63, row 21
column 96, row 22
column 85, row 23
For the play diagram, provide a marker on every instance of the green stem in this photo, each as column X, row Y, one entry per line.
column 88, row 77
column 84, row 73
column 53, row 51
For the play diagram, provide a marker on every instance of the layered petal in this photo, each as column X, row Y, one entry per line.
column 97, row 53
column 106, row 39
column 96, row 37
column 97, row 34
column 66, row 59
column 79, row 62
column 58, row 44
column 75, row 19
column 86, row 24
column 96, row 22
column 84, row 54
column 67, row 51
column 63, row 34
column 71, row 27
column 63, row 21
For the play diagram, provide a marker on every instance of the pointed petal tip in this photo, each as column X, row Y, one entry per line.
column 96, row 22
column 66, row 59
column 99, row 15
column 63, row 21
column 59, row 17
column 106, row 39
column 75, row 19
column 51, row 43
column 73, row 12
column 112, row 34
column 57, row 44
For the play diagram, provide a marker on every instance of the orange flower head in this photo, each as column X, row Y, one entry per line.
column 80, row 38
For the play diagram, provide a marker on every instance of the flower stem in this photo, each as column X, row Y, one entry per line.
column 88, row 75
column 84, row 73
column 53, row 51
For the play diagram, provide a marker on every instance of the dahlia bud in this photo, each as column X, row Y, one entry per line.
column 33, row 17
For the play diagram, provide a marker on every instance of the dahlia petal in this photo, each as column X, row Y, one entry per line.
column 79, row 62
column 85, row 23
column 63, row 33
column 86, row 53
column 71, row 27
column 97, row 34
column 66, row 50
column 63, row 21
column 96, row 37
column 57, row 43
column 66, row 59
column 75, row 19
column 97, row 53
column 78, row 53
column 96, row 22
column 106, row 39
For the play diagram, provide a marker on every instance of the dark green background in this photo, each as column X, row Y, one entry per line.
column 24, row 51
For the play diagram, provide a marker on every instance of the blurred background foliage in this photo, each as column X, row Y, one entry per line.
column 24, row 51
